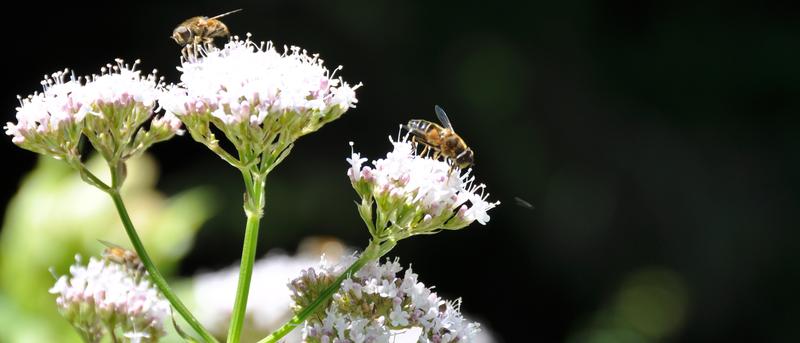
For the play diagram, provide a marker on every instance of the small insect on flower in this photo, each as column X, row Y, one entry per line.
column 200, row 30
column 104, row 298
column 119, row 255
column 444, row 141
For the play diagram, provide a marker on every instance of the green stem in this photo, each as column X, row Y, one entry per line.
column 155, row 275
column 112, row 334
column 86, row 175
column 373, row 252
column 253, row 209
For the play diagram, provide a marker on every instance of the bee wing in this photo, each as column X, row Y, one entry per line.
column 224, row 14
column 522, row 203
column 109, row 244
column 443, row 117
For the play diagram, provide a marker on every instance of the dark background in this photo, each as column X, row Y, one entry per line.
column 648, row 136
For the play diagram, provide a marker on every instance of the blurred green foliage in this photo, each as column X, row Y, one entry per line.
column 649, row 306
column 55, row 215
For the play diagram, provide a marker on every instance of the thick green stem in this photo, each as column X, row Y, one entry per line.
column 245, row 274
column 373, row 252
column 155, row 275
column 253, row 206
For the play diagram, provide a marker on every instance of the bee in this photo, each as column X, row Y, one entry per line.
column 200, row 30
column 443, row 140
column 119, row 255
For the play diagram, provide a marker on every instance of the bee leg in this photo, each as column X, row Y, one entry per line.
column 208, row 44
column 424, row 150
column 189, row 52
column 416, row 145
column 452, row 167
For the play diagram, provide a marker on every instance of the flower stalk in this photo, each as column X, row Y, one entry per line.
column 261, row 100
column 253, row 206
column 156, row 276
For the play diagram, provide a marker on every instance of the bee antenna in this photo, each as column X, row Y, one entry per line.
column 226, row 13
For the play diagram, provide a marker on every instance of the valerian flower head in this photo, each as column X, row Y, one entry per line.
column 407, row 194
column 376, row 304
column 110, row 109
column 108, row 298
column 262, row 100
column 49, row 122
column 120, row 102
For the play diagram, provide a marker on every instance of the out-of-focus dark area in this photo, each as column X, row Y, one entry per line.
column 657, row 143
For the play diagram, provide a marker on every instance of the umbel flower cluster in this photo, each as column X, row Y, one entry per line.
column 375, row 304
column 262, row 100
column 111, row 298
column 110, row 109
column 407, row 194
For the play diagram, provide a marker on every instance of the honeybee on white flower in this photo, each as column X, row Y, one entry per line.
column 200, row 30
column 443, row 140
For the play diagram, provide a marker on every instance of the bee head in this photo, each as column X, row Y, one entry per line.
column 182, row 35
column 465, row 159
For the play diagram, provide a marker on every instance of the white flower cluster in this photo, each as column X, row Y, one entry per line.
column 415, row 194
column 50, row 116
column 376, row 305
column 109, row 109
column 258, row 97
column 105, row 295
column 121, row 85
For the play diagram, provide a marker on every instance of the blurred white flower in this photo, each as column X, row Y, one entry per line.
column 104, row 295
column 269, row 302
column 415, row 194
